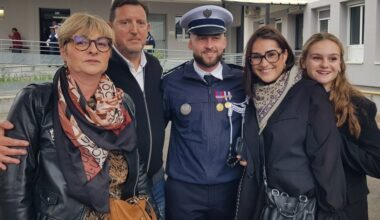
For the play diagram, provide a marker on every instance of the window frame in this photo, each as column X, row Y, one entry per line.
column 361, row 23
column 183, row 36
column 324, row 19
column 278, row 22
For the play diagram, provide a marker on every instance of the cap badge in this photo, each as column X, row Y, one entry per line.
column 207, row 13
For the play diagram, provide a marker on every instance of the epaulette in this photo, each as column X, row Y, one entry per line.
column 235, row 66
column 173, row 69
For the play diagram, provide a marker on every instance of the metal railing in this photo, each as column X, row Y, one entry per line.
column 28, row 46
column 371, row 93
column 45, row 56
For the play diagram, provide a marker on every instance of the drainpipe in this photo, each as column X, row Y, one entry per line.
column 267, row 14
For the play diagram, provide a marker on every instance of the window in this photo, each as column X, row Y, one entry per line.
column 323, row 20
column 180, row 33
column 355, row 36
column 299, row 32
column 356, row 26
column 278, row 24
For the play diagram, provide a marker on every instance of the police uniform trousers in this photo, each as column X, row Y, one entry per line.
column 188, row 201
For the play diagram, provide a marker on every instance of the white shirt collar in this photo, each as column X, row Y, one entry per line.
column 131, row 67
column 217, row 72
column 139, row 73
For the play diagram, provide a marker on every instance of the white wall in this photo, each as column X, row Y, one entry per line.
column 175, row 9
column 276, row 12
column 24, row 14
column 366, row 74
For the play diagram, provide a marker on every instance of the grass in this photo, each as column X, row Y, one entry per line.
column 7, row 78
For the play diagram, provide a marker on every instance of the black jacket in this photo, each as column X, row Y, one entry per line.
column 361, row 157
column 36, row 188
column 149, row 107
column 294, row 164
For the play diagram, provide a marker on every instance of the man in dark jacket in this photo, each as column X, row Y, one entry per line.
column 139, row 75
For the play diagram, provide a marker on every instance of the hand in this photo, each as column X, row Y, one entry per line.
column 242, row 162
column 5, row 143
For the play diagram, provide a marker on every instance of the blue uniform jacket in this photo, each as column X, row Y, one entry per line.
column 199, row 140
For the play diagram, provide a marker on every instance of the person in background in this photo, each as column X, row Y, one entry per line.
column 138, row 74
column 292, row 146
column 81, row 131
column 15, row 36
column 202, row 99
column 150, row 43
column 322, row 59
column 52, row 41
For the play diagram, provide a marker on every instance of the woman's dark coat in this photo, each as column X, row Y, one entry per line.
column 361, row 157
column 295, row 164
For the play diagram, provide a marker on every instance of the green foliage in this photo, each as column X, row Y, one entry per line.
column 5, row 78
column 158, row 54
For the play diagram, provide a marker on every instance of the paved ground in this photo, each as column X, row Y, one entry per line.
column 373, row 184
column 374, row 198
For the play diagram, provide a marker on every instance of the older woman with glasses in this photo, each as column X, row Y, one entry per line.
column 80, row 127
column 292, row 146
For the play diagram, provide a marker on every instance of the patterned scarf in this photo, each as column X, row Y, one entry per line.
column 109, row 114
column 268, row 97
column 84, row 137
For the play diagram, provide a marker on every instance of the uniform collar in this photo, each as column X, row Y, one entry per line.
column 189, row 71
column 217, row 72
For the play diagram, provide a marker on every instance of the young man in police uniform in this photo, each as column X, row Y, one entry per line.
column 201, row 98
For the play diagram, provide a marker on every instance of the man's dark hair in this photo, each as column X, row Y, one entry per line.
column 119, row 3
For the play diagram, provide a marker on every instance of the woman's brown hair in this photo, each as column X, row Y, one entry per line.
column 341, row 91
column 267, row 33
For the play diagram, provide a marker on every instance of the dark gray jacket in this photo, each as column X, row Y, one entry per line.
column 296, row 163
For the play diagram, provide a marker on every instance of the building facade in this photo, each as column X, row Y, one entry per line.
column 355, row 22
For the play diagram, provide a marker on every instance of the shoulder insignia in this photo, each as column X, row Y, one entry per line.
column 173, row 69
column 235, row 66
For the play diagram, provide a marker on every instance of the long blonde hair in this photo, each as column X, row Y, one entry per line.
column 341, row 91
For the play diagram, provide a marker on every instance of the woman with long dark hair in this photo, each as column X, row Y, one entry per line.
column 294, row 168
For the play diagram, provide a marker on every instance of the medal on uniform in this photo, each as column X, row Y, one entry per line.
column 219, row 96
column 227, row 104
column 227, row 98
column 219, row 107
column 185, row 109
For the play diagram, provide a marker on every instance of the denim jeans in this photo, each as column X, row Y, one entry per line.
column 158, row 194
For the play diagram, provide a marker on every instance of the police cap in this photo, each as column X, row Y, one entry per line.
column 206, row 20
